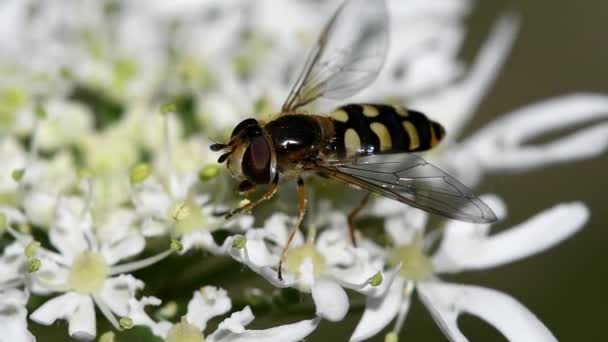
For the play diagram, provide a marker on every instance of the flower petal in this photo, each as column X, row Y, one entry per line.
column 13, row 317
column 118, row 291
column 287, row 333
column 447, row 301
column 138, row 314
column 500, row 146
column 131, row 244
column 535, row 235
column 207, row 303
column 330, row 300
column 78, row 309
column 380, row 311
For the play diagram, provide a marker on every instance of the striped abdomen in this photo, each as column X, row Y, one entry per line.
column 373, row 129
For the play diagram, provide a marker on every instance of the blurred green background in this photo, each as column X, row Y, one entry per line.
column 561, row 49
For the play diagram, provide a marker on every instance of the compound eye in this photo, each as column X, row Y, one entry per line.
column 256, row 161
column 244, row 125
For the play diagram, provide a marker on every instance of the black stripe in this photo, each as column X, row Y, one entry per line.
column 392, row 121
column 370, row 143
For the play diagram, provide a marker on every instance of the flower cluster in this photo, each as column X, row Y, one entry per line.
column 106, row 118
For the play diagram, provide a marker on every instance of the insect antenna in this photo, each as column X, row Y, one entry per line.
column 223, row 157
column 217, row 147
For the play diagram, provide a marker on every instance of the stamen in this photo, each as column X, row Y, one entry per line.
column 403, row 308
column 139, row 264
column 105, row 310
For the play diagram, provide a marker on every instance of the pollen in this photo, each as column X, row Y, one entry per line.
column 88, row 273
column 184, row 332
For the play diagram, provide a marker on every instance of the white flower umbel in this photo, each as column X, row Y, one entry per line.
column 86, row 271
column 172, row 203
column 207, row 303
column 466, row 246
column 323, row 266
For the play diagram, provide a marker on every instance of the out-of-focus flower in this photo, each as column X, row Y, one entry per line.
column 208, row 303
column 465, row 246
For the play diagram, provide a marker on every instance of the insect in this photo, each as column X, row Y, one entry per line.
column 366, row 145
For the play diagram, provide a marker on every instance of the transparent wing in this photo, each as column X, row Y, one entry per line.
column 347, row 57
column 410, row 179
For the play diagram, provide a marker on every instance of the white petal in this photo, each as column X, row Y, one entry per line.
column 535, row 235
column 76, row 308
column 118, row 291
column 284, row 333
column 130, row 245
column 380, row 311
column 330, row 300
column 13, row 318
column 207, row 303
column 70, row 226
column 404, row 227
column 201, row 238
column 236, row 322
column 138, row 314
column 447, row 301
column 501, row 145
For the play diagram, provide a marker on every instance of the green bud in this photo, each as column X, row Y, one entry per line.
column 375, row 280
column 125, row 323
column 31, row 249
column 208, row 172
column 25, row 228
column 239, row 242
column 18, row 174
column 139, row 173
column 391, row 337
column 33, row 264
column 40, row 111
column 176, row 246
column 167, row 108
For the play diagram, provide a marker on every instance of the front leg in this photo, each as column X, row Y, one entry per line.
column 268, row 195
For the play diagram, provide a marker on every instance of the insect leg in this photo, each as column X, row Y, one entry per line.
column 301, row 211
column 351, row 217
column 271, row 192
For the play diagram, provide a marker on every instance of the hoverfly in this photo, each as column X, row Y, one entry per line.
column 365, row 145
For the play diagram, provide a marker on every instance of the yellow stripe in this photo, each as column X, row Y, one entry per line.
column 340, row 115
column 370, row 111
column 386, row 143
column 434, row 139
column 352, row 142
column 412, row 132
column 401, row 111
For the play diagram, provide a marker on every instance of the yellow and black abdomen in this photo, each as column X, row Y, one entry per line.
column 362, row 129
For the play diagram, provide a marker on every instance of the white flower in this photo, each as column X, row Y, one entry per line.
column 86, row 269
column 211, row 302
column 13, row 316
column 466, row 246
column 323, row 267
column 13, row 294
